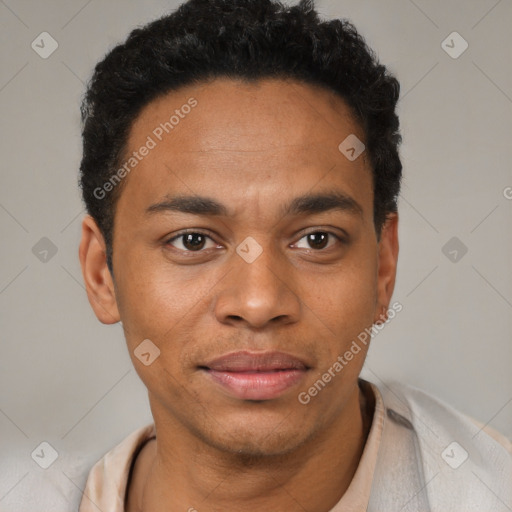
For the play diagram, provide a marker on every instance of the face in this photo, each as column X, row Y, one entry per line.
column 245, row 251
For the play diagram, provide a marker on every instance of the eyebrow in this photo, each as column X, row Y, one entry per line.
column 302, row 205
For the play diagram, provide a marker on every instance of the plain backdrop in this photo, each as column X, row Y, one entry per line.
column 68, row 380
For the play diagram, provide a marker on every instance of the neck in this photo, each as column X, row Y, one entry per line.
column 193, row 475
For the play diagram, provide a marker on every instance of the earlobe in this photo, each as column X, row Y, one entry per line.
column 387, row 265
column 96, row 274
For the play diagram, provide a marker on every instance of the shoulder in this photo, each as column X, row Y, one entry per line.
column 465, row 464
column 431, row 411
column 26, row 485
column 109, row 478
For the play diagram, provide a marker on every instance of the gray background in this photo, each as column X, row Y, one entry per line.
column 67, row 379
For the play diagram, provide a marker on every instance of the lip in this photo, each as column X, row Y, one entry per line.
column 256, row 376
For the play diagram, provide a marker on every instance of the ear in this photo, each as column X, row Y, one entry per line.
column 387, row 261
column 98, row 280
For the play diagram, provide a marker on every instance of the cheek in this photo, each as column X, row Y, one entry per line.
column 154, row 310
column 148, row 294
column 162, row 303
column 345, row 299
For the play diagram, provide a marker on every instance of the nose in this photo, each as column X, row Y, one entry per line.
column 258, row 293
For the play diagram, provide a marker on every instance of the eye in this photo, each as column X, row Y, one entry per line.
column 191, row 241
column 196, row 241
column 318, row 240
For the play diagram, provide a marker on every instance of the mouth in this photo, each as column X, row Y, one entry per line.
column 256, row 376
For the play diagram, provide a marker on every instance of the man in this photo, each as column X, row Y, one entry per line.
column 241, row 175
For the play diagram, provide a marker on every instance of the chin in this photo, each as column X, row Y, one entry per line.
column 251, row 446
column 250, row 452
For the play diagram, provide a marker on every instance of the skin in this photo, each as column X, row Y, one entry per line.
column 253, row 148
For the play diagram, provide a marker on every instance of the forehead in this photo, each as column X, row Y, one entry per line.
column 267, row 113
column 263, row 135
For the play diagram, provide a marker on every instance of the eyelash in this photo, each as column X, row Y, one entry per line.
column 340, row 239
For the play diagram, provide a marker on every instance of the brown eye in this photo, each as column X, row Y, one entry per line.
column 318, row 240
column 190, row 242
column 193, row 241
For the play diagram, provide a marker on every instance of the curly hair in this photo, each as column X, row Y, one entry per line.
column 238, row 39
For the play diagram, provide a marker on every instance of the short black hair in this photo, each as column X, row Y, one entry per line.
column 237, row 39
